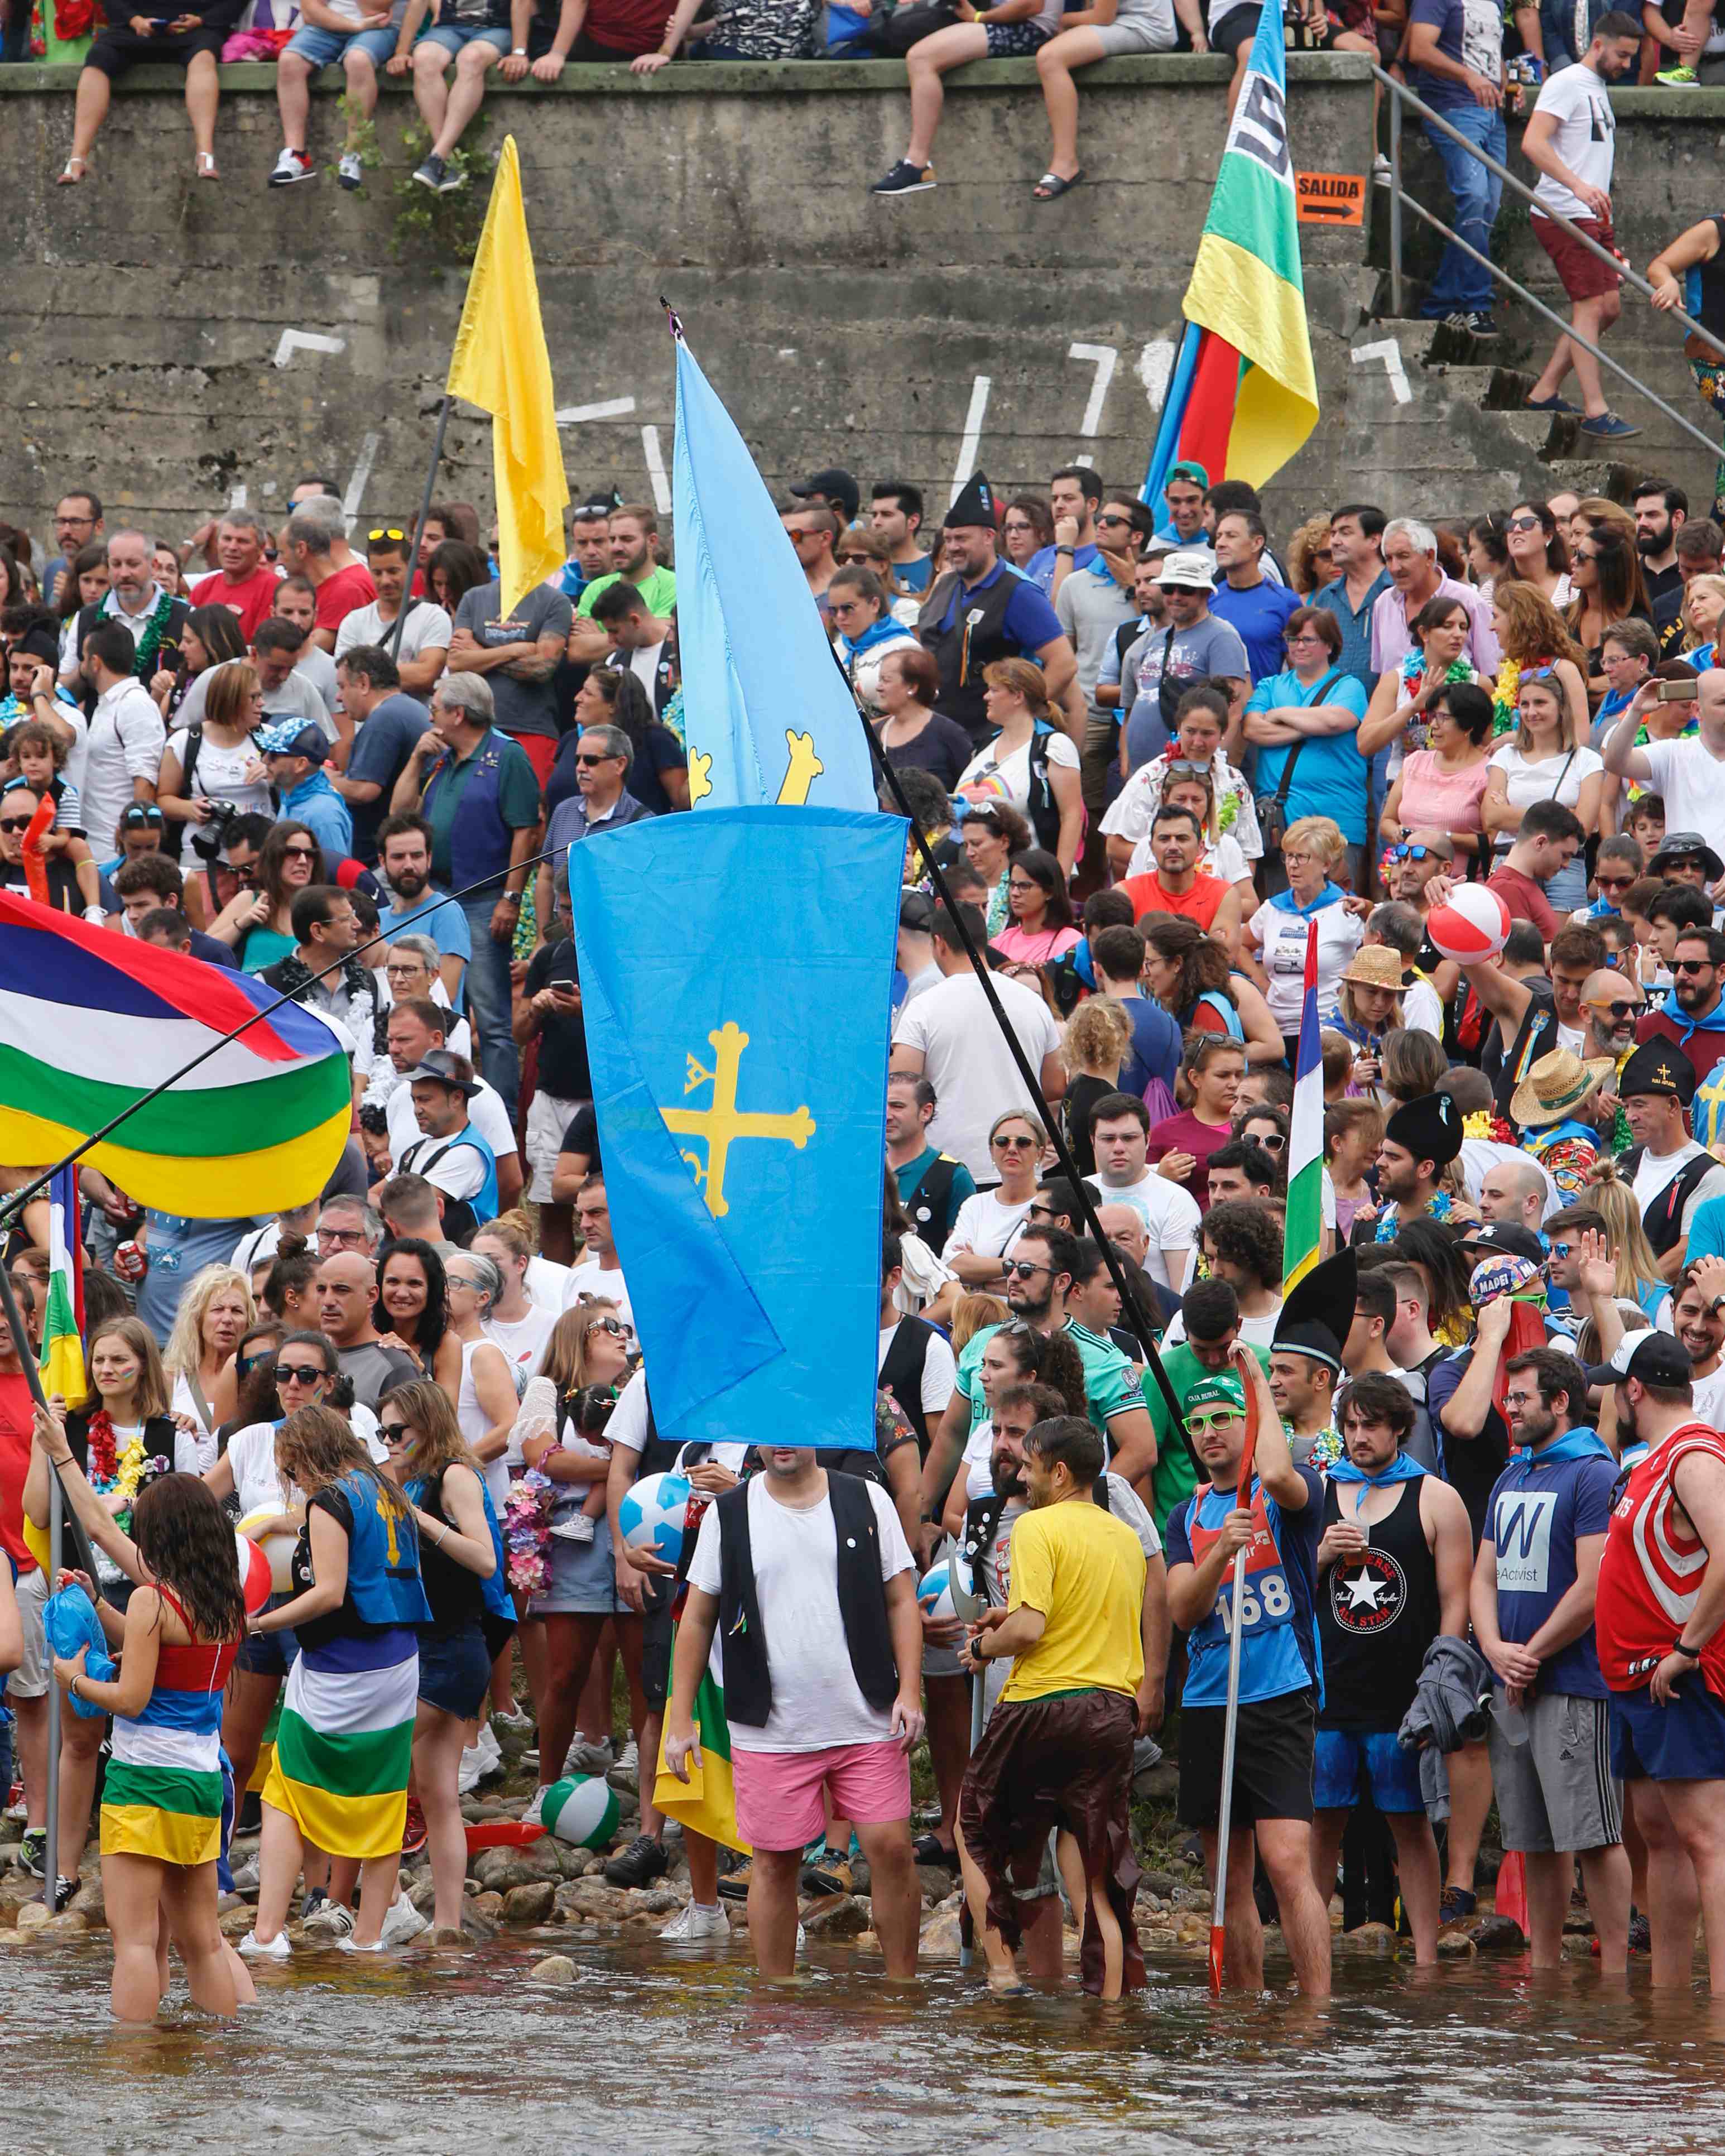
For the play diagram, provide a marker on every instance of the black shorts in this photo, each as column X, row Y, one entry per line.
column 1237, row 27
column 116, row 52
column 1273, row 1754
column 656, row 1644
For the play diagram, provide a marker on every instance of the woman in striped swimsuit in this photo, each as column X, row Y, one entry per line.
column 161, row 1804
column 339, row 1780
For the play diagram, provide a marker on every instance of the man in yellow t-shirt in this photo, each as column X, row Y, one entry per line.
column 1057, row 1748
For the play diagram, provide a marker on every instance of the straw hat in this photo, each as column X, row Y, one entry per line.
column 1375, row 966
column 1557, row 1083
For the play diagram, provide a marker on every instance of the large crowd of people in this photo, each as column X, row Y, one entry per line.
column 1143, row 764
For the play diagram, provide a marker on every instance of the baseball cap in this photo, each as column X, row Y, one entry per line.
column 1188, row 468
column 836, row 486
column 1222, row 1390
column 1508, row 1236
column 292, row 738
column 916, row 911
column 1652, row 1358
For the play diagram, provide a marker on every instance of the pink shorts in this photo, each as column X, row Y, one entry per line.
column 780, row 1794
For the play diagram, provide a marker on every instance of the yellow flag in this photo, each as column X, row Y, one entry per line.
column 501, row 364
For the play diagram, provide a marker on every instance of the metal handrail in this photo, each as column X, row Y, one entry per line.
column 1401, row 95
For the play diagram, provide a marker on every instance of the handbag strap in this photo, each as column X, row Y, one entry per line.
column 1287, row 769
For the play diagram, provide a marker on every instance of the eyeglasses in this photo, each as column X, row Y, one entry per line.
column 401, row 972
column 340, row 1235
column 1678, row 965
column 386, row 531
column 301, row 1374
column 1524, row 524
column 1022, row 1268
column 17, row 822
column 1017, row 1144
column 1305, row 636
column 1186, row 767
column 1271, row 1141
column 612, row 1325
column 394, row 1433
column 1202, row 1426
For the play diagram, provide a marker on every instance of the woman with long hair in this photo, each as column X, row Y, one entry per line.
column 1442, row 787
column 431, row 1463
column 1398, row 717
column 1206, row 1087
column 1637, row 1279
column 1097, row 1036
column 344, row 1750
column 210, row 640
column 1539, row 550
column 1431, row 1247
column 1411, row 1064
column 860, row 605
column 256, row 924
column 1190, row 977
column 414, row 1304
column 1546, row 759
column 214, row 1310
column 163, row 1798
column 910, row 731
column 213, row 757
column 992, row 833
column 1606, row 566
column 453, row 570
column 989, row 1222
column 1042, row 926
column 517, row 1324
column 487, row 1401
column 1027, row 529
column 659, row 765
column 1030, row 761
column 1368, row 1007
column 1012, row 1354
column 1310, row 565
column 81, row 583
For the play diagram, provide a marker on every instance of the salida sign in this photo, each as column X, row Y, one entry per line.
column 1331, row 198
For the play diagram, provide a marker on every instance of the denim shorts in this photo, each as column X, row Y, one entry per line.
column 321, row 49
column 453, row 36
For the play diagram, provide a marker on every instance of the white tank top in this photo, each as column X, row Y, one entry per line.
column 474, row 1423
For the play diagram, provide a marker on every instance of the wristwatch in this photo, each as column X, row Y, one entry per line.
column 512, row 898
column 1689, row 1654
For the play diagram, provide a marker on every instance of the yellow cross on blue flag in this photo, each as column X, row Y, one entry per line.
column 739, row 1073
column 768, row 717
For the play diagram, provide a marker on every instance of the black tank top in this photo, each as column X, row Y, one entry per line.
column 457, row 1596
column 1376, row 1614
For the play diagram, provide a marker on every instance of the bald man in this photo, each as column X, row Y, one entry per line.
column 1612, row 1004
column 344, row 1293
column 1513, row 1191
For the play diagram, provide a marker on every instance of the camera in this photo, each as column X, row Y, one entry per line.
column 209, row 838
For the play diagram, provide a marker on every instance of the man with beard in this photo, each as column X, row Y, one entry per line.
column 1419, row 1141
column 1534, row 1583
column 1661, row 511
column 1612, row 1006
column 1058, row 1749
column 404, row 856
column 1659, row 1609
column 986, row 1547
column 1698, row 1318
column 1693, row 1015
column 1394, row 1566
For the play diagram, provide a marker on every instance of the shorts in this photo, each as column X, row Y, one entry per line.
column 453, row 36
column 1063, row 1761
column 580, row 1579
column 322, row 49
column 1139, row 35
column 454, row 1671
column 656, row 1645
column 1237, row 27
column 269, row 1653
column 547, row 1118
column 1682, row 1743
column 1556, row 1791
column 781, row 1796
column 1273, row 1757
column 116, row 52
column 30, row 1678
column 1349, row 1764
column 1014, row 41
column 1584, row 276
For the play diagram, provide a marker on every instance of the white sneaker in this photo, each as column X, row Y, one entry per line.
column 245, row 1879
column 490, row 1752
column 291, row 167
column 331, row 1920
column 352, row 1946
column 626, row 1775
column 255, row 1949
column 401, row 1922
column 587, row 1758
column 578, row 1528
column 351, row 172
column 694, row 1923
column 467, row 1775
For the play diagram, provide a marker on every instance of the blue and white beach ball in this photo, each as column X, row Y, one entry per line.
column 653, row 1514
column 581, row 1809
column 934, row 1591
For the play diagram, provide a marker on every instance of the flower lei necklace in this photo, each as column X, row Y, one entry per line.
column 150, row 643
column 114, row 1473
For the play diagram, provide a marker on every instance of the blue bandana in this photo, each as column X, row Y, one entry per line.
column 1574, row 1445
column 1686, row 1023
column 885, row 630
column 1401, row 1469
column 1286, row 902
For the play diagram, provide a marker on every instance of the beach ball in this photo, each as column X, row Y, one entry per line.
column 278, row 1548
column 254, row 1575
column 654, row 1513
column 581, row 1809
column 934, row 1591
column 1474, row 925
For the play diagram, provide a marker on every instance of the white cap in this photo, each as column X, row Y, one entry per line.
column 1190, row 569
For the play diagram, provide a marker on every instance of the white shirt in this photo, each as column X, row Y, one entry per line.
column 1557, row 777
column 547, row 1284
column 1008, row 777
column 1585, row 138
column 1281, row 942
column 522, row 1340
column 985, row 1227
column 816, row 1700
column 1167, row 1210
column 126, row 739
column 427, row 628
column 1421, row 1010
column 590, row 1278
column 1691, row 778
column 1658, row 1171
column 939, row 1370
column 251, row 1455
column 627, row 1426
column 485, row 1111
column 446, row 1163
column 969, row 1065
column 1132, row 810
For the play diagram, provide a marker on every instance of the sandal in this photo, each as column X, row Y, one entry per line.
column 207, row 166
column 69, row 177
column 930, row 1849
column 1051, row 187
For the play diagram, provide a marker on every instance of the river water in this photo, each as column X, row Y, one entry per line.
column 656, row 2050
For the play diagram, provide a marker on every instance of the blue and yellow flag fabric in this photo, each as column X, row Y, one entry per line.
column 768, row 717
column 736, row 972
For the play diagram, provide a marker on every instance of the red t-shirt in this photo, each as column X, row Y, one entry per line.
column 1705, row 1046
column 1185, row 1133
column 626, row 26
column 18, row 1414
column 1199, row 904
column 338, row 595
column 1525, row 899
column 252, row 599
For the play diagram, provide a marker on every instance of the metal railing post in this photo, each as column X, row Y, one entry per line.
column 1395, row 204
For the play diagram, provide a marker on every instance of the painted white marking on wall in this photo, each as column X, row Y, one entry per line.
column 973, row 435
column 1156, row 363
column 613, row 407
column 293, row 340
column 1105, row 359
column 655, row 470
column 351, row 500
column 1390, row 352
column 238, row 499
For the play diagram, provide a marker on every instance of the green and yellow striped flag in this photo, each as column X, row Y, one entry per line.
column 707, row 1800
column 62, row 1357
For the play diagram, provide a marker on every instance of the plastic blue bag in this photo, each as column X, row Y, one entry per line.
column 70, row 1620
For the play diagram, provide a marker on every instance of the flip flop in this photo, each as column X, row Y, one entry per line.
column 69, row 178
column 930, row 1849
column 1051, row 187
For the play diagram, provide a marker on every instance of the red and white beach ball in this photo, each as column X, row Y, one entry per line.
column 1474, row 925
column 254, row 1573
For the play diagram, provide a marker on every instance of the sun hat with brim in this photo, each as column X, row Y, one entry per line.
column 1375, row 966
column 1680, row 846
column 1557, row 1084
column 1190, row 570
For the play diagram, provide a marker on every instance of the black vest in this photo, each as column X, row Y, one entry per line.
column 659, row 1456
column 901, row 1373
column 1663, row 1217
column 976, row 638
column 862, row 1603
column 982, row 1524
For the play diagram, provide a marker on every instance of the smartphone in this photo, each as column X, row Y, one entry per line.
column 1678, row 692
column 566, row 987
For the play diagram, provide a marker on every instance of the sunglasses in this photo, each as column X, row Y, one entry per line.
column 1022, row 1268
column 1678, row 965
column 1271, row 1141
column 301, row 1374
column 1560, row 1250
column 1185, row 766
column 1524, row 524
column 386, row 531
column 16, row 823
column 394, row 1433
column 1624, row 1009
column 245, row 1364
column 298, row 853
column 1413, row 852
column 1614, row 883
column 611, row 1325
column 1113, row 520
column 1017, row 1144
column 588, row 762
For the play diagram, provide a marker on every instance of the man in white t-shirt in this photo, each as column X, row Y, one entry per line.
column 1120, row 1131
column 1689, row 773
column 414, row 1029
column 1655, row 1087
column 1571, row 139
column 949, row 1035
column 814, row 1594
column 597, row 1271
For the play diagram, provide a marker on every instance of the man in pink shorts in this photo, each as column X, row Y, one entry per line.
column 808, row 1583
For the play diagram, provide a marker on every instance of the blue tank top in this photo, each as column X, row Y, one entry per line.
column 1279, row 1650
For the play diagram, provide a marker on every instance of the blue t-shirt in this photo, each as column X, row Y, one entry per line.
column 381, row 748
column 1260, row 614
column 178, row 1249
column 1330, row 778
column 1155, row 1050
column 1279, row 1650
column 315, row 804
column 433, row 915
column 1041, row 565
column 1706, row 1230
column 1536, row 1517
column 1441, row 91
column 915, row 576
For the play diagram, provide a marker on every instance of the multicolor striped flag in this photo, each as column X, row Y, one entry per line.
column 1243, row 397
column 92, row 1023
column 707, row 1800
column 1303, row 1238
column 62, row 1356
column 344, row 1749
